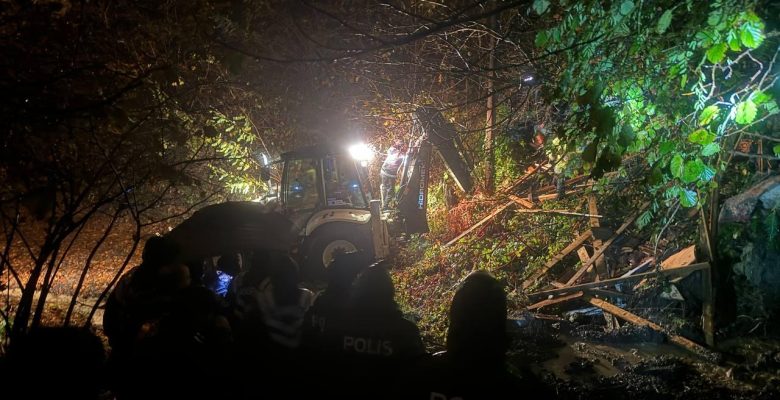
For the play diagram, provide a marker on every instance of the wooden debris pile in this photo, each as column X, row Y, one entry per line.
column 593, row 282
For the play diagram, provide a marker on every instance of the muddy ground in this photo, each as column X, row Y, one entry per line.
column 581, row 361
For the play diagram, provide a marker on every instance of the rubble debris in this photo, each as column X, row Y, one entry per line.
column 587, row 266
column 576, row 243
column 739, row 208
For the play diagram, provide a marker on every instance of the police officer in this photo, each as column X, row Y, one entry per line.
column 371, row 343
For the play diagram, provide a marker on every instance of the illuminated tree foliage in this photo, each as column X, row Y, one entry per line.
column 676, row 84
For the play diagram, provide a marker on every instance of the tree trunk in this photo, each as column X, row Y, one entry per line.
column 490, row 120
column 87, row 264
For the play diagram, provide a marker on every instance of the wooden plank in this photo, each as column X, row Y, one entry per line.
column 607, row 293
column 522, row 179
column 587, row 266
column 601, row 264
column 553, row 196
column 522, row 202
column 582, row 253
column 682, row 258
column 686, row 256
column 568, row 183
column 637, row 320
column 560, row 212
column 613, row 281
column 557, row 258
column 557, row 300
column 480, row 223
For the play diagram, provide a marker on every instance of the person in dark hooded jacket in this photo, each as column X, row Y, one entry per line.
column 474, row 364
column 372, row 343
column 334, row 300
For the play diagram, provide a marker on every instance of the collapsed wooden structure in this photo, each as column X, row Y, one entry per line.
column 592, row 282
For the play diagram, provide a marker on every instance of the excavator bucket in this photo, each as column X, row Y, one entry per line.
column 441, row 134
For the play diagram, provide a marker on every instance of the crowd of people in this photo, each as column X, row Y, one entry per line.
column 248, row 329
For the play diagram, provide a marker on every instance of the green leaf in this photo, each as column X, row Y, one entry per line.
column 752, row 17
column 746, row 112
column 770, row 107
column 759, row 97
column 666, row 147
column 708, row 114
column 750, row 34
column 541, row 39
column 692, row 171
column 733, row 43
column 776, row 149
column 664, row 22
column 644, row 219
column 716, row 53
column 540, row 6
column 626, row 7
column 688, row 198
column 710, row 149
column 714, row 17
column 701, row 136
column 707, row 174
column 676, row 166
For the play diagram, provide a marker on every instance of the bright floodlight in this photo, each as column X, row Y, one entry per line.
column 361, row 152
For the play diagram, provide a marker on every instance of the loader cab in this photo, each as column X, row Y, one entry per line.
column 322, row 193
column 315, row 179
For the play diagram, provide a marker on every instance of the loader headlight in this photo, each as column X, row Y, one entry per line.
column 361, row 152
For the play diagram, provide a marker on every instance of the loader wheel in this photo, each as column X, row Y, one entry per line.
column 329, row 241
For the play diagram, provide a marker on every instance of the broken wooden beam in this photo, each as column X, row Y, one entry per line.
column 521, row 201
column 586, row 267
column 557, row 300
column 637, row 320
column 557, row 258
column 611, row 282
column 682, row 258
column 522, row 179
column 601, row 263
column 553, row 196
column 582, row 253
column 607, row 293
column 686, row 256
column 492, row 215
column 561, row 212
column 480, row 223
column 567, row 184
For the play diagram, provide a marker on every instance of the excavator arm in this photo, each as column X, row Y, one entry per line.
column 435, row 133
